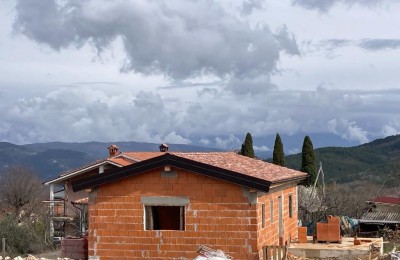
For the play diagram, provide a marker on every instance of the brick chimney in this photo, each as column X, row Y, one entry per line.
column 163, row 148
column 112, row 150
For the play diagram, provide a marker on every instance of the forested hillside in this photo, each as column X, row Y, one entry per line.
column 372, row 161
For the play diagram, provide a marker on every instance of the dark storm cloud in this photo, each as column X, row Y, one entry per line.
column 82, row 114
column 330, row 46
column 180, row 39
column 177, row 85
column 379, row 44
column 325, row 5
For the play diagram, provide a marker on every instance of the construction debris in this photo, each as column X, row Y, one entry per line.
column 211, row 254
column 31, row 257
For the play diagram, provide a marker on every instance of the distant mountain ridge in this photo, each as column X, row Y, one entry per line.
column 372, row 161
column 51, row 159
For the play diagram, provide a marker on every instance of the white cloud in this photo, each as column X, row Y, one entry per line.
column 356, row 133
column 388, row 130
column 89, row 113
column 174, row 138
column 261, row 148
column 228, row 143
column 294, row 151
column 204, row 141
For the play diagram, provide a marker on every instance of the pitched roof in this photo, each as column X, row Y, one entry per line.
column 119, row 160
column 386, row 200
column 226, row 166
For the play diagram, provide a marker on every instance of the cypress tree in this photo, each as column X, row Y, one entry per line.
column 308, row 160
column 247, row 147
column 278, row 156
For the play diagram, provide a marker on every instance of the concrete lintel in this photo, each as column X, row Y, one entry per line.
column 165, row 201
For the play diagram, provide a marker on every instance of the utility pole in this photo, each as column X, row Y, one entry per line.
column 320, row 172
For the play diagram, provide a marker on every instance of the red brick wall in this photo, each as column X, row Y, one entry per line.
column 269, row 234
column 218, row 216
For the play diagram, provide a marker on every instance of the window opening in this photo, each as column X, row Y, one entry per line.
column 164, row 218
column 263, row 215
column 271, row 209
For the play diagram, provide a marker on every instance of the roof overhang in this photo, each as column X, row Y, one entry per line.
column 80, row 171
column 168, row 159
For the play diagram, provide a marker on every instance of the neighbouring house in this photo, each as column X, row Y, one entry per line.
column 69, row 209
column 385, row 204
column 166, row 205
column 383, row 212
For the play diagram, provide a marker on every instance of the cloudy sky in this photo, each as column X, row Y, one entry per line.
column 201, row 72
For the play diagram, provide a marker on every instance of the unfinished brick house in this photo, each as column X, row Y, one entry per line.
column 67, row 206
column 166, row 206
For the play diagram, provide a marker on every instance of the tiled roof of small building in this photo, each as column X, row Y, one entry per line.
column 386, row 200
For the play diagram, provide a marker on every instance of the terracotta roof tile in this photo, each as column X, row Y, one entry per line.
column 245, row 165
column 83, row 201
column 141, row 156
column 117, row 160
column 386, row 200
column 120, row 161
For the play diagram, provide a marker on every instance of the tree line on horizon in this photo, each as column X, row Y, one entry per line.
column 278, row 156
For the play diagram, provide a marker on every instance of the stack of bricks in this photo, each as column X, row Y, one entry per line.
column 329, row 232
column 302, row 234
column 74, row 248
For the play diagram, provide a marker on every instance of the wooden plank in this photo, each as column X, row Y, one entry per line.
column 274, row 252
column 264, row 252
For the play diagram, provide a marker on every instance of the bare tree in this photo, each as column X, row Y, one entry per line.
column 21, row 192
column 340, row 200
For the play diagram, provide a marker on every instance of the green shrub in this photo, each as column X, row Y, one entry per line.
column 21, row 238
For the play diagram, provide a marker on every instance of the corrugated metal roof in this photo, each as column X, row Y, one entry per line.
column 380, row 217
